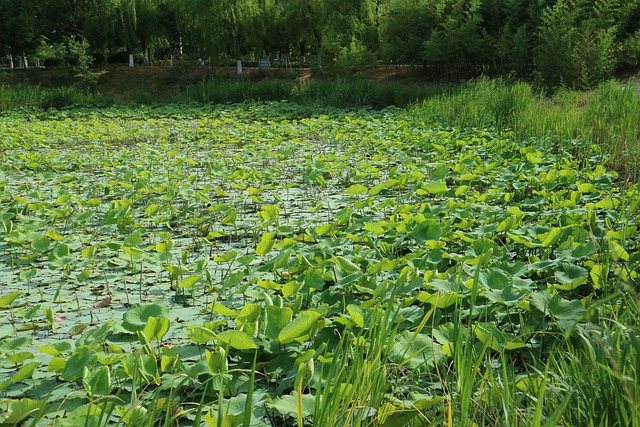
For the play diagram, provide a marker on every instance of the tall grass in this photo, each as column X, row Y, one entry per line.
column 337, row 92
column 21, row 96
column 37, row 97
column 603, row 121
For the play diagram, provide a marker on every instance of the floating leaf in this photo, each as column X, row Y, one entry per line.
column 102, row 303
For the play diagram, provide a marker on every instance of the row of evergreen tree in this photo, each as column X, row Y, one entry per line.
column 573, row 42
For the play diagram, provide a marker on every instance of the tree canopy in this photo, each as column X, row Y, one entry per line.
column 559, row 42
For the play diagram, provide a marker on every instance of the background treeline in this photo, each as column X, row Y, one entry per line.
column 577, row 43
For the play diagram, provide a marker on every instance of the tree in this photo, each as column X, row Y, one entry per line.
column 18, row 28
column 459, row 37
column 349, row 32
column 404, row 28
column 578, row 41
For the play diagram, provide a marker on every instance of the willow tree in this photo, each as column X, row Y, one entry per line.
column 141, row 26
column 223, row 28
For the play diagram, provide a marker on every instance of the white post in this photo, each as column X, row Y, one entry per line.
column 239, row 67
column 131, row 60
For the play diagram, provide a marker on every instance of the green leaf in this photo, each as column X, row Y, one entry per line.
column 356, row 189
column 8, row 299
column 269, row 284
column 97, row 381
column 249, row 313
column 15, row 343
column 566, row 312
column 189, row 282
column 20, row 409
column 413, row 350
column 495, row 278
column 136, row 318
column 276, row 319
column 495, row 339
column 435, row 187
column 552, row 237
column 41, row 245
column 266, row 243
column 571, row 276
column 25, row 372
column 134, row 239
column 83, row 357
column 300, row 327
column 287, row 404
column 314, row 278
column 345, row 264
column 199, row 334
column 509, row 296
column 428, row 229
column 217, row 361
column 237, row 339
column 156, row 328
column 27, row 275
column 55, row 348
column 229, row 256
column 60, row 251
column 374, row 227
column 219, row 308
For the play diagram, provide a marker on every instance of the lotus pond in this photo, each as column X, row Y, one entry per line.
column 272, row 264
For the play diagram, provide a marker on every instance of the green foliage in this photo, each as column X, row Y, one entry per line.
column 566, row 42
column 73, row 52
column 357, row 267
column 601, row 122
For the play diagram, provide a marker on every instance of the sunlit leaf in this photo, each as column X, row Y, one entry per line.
column 237, row 339
column 299, row 327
